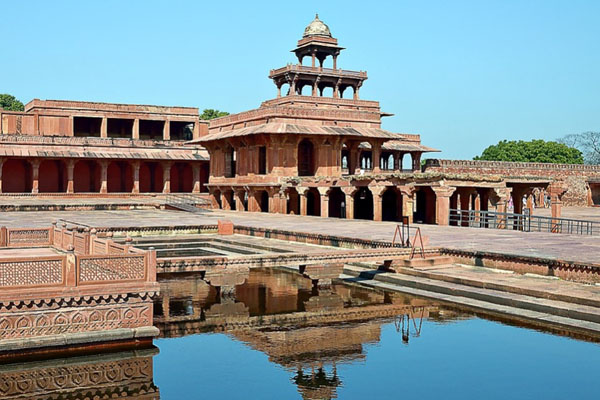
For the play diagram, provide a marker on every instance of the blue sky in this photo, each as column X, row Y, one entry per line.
column 463, row 74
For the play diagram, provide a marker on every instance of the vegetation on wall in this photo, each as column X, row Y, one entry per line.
column 10, row 103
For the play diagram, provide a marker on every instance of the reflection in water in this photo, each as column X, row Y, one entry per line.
column 306, row 331
column 319, row 338
column 108, row 376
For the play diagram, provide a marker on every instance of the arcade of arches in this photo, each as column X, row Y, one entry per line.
column 383, row 201
column 20, row 175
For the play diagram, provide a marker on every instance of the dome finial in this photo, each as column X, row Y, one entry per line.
column 317, row 28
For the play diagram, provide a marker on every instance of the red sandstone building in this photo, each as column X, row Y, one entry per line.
column 80, row 147
column 309, row 153
column 316, row 149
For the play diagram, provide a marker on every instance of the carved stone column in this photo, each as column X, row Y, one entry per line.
column 349, row 192
column 135, row 165
column 323, row 192
column 303, row 201
column 70, row 176
column 196, row 177
column 442, row 204
column 166, row 177
column 103, row 176
column 35, row 176
column 377, row 192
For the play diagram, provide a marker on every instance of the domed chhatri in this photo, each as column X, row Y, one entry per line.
column 317, row 27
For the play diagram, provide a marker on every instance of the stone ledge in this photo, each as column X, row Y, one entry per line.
column 71, row 339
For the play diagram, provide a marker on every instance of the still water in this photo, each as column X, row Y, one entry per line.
column 275, row 337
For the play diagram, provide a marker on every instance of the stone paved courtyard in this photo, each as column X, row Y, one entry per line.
column 566, row 247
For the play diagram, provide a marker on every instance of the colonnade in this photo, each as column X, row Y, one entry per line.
column 378, row 203
column 101, row 176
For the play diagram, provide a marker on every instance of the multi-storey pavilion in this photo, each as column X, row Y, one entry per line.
column 82, row 147
column 311, row 154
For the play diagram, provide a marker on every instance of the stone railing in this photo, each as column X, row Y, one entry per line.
column 321, row 100
column 25, row 237
column 68, row 287
column 502, row 165
column 295, row 112
column 91, row 141
column 344, row 73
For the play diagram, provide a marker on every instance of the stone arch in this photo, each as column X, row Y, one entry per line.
column 16, row 176
column 313, row 202
column 229, row 196
column 293, row 201
column 363, row 203
column 182, row 178
column 119, row 177
column 52, row 177
column 306, row 158
column 263, row 200
column 216, row 195
column 87, row 176
column 391, row 204
column 425, row 205
column 337, row 203
column 151, row 177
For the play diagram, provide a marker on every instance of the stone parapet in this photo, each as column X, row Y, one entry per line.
column 72, row 284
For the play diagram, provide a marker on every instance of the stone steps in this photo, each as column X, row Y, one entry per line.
column 435, row 288
column 500, row 286
column 504, row 313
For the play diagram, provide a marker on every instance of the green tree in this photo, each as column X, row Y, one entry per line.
column 587, row 142
column 10, row 103
column 532, row 151
column 209, row 113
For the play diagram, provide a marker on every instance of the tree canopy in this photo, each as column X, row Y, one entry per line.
column 10, row 103
column 532, row 151
column 209, row 113
column 587, row 142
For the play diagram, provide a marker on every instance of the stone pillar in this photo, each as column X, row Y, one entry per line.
column 167, row 130
column 530, row 203
column 103, row 176
column 408, row 199
column 477, row 207
column 35, row 176
column 442, row 204
column 135, row 165
column 196, row 177
column 104, row 127
column 166, row 177
column 70, row 177
column 377, row 202
column 416, row 162
column 135, row 134
column 323, row 192
column 376, row 156
column 349, row 192
column 253, row 205
column 556, row 191
column 303, row 202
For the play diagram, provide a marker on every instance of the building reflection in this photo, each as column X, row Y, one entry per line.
column 308, row 332
column 124, row 375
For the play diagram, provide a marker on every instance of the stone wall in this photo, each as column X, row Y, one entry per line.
column 576, row 177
